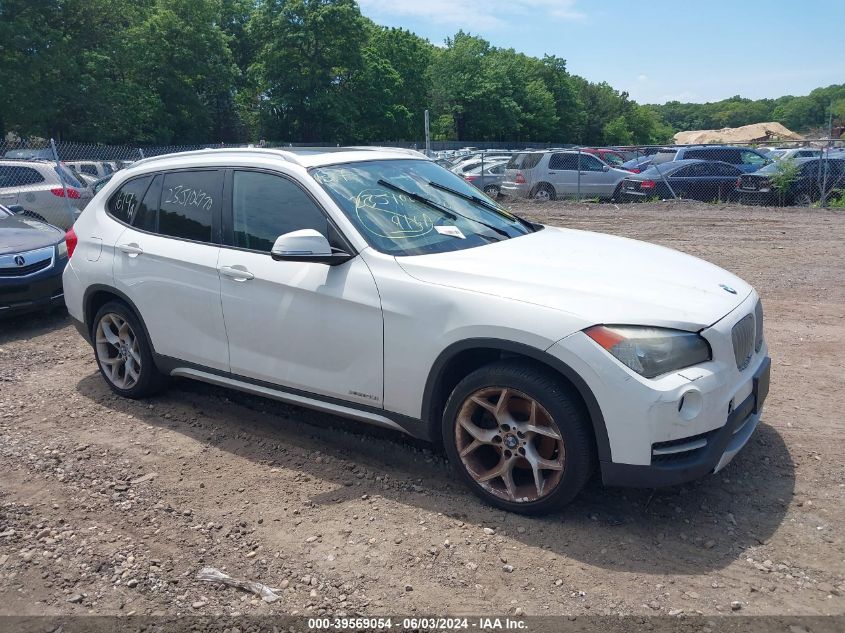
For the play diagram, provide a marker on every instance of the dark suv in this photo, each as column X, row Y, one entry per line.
column 746, row 159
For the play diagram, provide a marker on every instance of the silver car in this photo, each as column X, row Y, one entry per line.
column 45, row 190
column 561, row 174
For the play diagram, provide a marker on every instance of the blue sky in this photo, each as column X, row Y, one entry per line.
column 657, row 50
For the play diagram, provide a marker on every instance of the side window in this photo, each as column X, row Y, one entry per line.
column 189, row 200
column 752, row 158
column 19, row 176
column 721, row 169
column 695, row 153
column 88, row 168
column 685, row 172
column 567, row 162
column 146, row 213
column 591, row 163
column 265, row 206
column 124, row 202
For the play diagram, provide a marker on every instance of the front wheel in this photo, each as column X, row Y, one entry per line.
column 519, row 437
column 124, row 353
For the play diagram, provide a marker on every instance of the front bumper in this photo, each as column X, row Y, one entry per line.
column 678, row 426
column 718, row 449
column 36, row 292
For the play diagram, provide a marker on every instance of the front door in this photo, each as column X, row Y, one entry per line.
column 306, row 326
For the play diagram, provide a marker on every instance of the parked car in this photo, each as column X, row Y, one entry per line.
column 373, row 284
column 33, row 256
column 549, row 175
column 490, row 181
column 97, row 169
column 47, row 191
column 636, row 165
column 612, row 157
column 29, row 154
column 814, row 176
column 471, row 165
column 794, row 152
column 748, row 160
column 691, row 179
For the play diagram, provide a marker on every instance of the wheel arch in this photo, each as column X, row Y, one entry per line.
column 98, row 295
column 463, row 357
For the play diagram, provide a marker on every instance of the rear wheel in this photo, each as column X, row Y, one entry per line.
column 519, row 437
column 544, row 193
column 124, row 353
column 492, row 191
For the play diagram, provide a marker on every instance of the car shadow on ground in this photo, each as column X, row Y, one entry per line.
column 19, row 327
column 690, row 529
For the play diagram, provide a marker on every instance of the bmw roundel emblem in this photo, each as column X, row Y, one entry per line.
column 727, row 289
column 19, row 260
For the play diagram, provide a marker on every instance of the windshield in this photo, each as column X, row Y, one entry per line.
column 404, row 207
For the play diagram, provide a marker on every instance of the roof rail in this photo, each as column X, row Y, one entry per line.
column 287, row 156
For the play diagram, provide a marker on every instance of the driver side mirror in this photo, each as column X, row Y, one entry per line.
column 605, row 167
column 307, row 245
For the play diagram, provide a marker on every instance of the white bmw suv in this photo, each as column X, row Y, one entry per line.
column 374, row 284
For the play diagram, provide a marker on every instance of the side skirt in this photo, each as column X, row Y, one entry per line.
column 369, row 415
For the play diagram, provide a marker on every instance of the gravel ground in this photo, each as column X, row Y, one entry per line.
column 110, row 506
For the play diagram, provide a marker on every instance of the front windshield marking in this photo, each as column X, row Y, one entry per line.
column 397, row 206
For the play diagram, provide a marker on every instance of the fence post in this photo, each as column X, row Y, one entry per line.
column 61, row 176
column 141, row 153
column 578, row 193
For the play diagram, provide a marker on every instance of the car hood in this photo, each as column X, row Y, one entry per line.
column 595, row 277
column 18, row 234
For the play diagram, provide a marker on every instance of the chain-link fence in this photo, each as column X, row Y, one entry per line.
column 54, row 181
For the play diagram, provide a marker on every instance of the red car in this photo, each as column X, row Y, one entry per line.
column 610, row 156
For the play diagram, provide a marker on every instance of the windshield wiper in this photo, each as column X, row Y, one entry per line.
column 482, row 202
column 419, row 198
column 452, row 215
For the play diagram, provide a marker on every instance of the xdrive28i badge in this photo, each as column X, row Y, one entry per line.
column 727, row 289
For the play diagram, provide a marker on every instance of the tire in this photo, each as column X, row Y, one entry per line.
column 492, row 191
column 544, row 193
column 479, row 443
column 121, row 344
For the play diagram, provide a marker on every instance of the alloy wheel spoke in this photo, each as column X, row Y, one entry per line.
column 485, row 436
column 545, row 431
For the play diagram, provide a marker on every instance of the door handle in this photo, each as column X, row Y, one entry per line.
column 238, row 273
column 133, row 250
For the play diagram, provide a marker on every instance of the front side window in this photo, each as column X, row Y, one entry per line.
column 752, row 158
column 265, row 206
column 405, row 207
column 189, row 200
column 591, row 163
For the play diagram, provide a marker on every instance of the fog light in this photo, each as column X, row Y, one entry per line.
column 690, row 405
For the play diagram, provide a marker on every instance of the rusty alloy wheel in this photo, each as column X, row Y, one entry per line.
column 509, row 444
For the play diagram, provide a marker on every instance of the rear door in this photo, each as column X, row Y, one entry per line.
column 563, row 173
column 300, row 325
column 166, row 261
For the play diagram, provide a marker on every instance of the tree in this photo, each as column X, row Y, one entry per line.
column 307, row 52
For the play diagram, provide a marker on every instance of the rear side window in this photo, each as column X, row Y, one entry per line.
column 124, row 203
column 665, row 156
column 189, row 201
column 526, row 160
column 88, row 168
column 146, row 213
column 265, row 206
column 19, row 176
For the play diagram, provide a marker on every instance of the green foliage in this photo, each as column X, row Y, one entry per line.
column 786, row 173
column 198, row 71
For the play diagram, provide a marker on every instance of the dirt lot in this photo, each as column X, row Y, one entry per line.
column 111, row 506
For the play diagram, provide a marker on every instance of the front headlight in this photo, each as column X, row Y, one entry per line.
column 651, row 351
column 61, row 249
